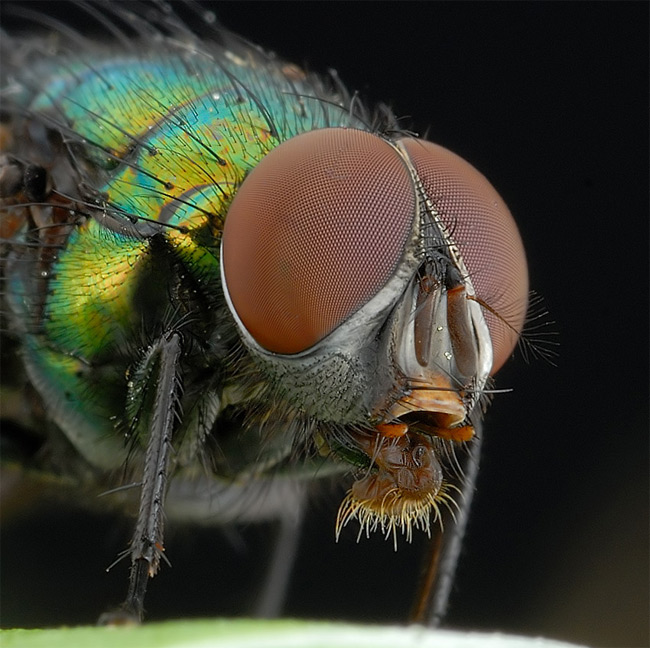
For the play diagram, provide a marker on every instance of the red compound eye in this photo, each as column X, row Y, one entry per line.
column 315, row 231
column 486, row 234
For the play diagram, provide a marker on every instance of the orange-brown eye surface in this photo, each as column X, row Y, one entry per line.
column 486, row 234
column 315, row 231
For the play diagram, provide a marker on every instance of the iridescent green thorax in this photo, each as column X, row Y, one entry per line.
column 92, row 292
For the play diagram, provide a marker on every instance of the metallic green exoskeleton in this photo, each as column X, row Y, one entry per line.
column 222, row 276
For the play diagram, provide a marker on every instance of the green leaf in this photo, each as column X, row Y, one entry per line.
column 242, row 633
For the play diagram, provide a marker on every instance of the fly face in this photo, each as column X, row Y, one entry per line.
column 234, row 271
column 367, row 278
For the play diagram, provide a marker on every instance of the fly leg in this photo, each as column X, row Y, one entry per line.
column 274, row 592
column 147, row 548
column 439, row 566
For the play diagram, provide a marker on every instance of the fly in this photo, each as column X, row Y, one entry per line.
column 227, row 276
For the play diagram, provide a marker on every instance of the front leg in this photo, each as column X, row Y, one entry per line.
column 146, row 549
column 441, row 559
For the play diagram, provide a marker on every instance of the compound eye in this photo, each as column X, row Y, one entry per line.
column 486, row 234
column 315, row 231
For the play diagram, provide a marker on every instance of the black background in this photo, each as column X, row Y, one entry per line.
column 550, row 102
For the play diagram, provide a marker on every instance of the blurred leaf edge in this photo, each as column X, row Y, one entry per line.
column 240, row 633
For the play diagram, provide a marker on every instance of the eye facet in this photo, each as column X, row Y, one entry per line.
column 486, row 234
column 315, row 231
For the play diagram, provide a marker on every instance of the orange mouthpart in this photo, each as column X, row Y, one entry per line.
column 402, row 490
